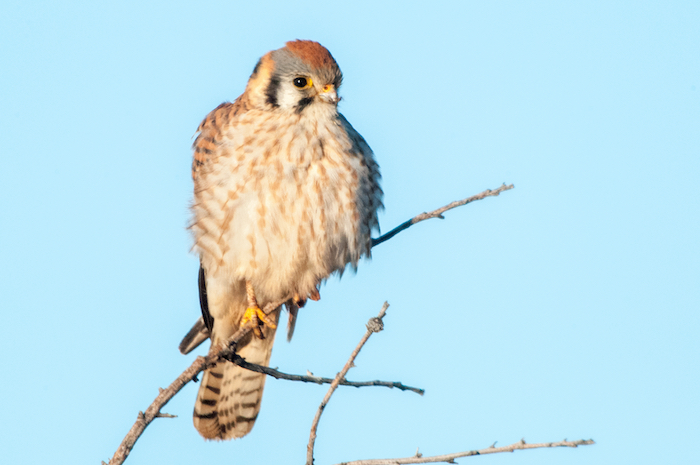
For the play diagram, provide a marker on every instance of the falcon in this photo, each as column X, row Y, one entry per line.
column 286, row 193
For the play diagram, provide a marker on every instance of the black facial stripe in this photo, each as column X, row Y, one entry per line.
column 257, row 67
column 271, row 91
column 303, row 103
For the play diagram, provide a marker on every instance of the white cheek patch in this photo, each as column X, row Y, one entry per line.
column 288, row 96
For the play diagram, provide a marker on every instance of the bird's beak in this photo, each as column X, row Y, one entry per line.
column 329, row 94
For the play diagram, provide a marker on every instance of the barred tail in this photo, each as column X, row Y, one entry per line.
column 229, row 396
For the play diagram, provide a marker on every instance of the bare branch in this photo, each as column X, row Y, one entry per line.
column 152, row 412
column 374, row 325
column 438, row 213
column 449, row 458
column 199, row 365
column 226, row 351
column 238, row 360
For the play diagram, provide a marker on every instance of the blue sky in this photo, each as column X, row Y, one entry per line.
column 565, row 308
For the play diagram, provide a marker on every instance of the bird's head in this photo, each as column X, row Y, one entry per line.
column 294, row 77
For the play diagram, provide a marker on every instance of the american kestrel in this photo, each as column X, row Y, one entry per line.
column 286, row 193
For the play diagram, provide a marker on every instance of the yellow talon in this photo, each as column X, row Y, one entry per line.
column 256, row 314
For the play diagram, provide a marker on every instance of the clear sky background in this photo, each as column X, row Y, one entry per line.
column 565, row 308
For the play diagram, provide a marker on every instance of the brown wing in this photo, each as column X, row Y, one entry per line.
column 198, row 334
column 205, row 149
column 209, row 131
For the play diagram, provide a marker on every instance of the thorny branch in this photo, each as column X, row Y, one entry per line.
column 450, row 458
column 202, row 363
column 374, row 325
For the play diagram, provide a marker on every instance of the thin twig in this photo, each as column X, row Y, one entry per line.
column 438, row 213
column 449, row 458
column 240, row 361
column 374, row 325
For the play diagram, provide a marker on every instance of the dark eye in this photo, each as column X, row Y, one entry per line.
column 301, row 82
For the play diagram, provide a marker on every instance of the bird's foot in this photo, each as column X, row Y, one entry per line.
column 300, row 301
column 259, row 319
column 315, row 295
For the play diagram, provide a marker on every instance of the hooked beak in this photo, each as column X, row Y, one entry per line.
column 329, row 94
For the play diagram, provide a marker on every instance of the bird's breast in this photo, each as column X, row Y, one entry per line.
column 280, row 204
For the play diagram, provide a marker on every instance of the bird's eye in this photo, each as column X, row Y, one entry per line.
column 302, row 82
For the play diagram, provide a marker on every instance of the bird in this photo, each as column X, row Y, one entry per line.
column 286, row 193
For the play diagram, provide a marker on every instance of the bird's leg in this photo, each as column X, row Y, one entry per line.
column 254, row 313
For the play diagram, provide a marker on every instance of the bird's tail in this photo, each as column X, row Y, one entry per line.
column 229, row 396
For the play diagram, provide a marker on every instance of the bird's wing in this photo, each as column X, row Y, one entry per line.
column 206, row 145
column 198, row 334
